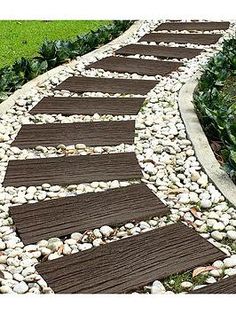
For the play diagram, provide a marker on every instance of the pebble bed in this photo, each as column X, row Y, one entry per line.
column 165, row 155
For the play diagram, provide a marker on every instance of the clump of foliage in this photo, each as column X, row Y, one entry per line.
column 174, row 282
column 54, row 53
column 215, row 102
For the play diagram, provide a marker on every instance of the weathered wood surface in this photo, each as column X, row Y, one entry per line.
column 80, row 84
column 88, row 105
column 223, row 286
column 159, row 51
column 72, row 169
column 198, row 39
column 190, row 26
column 63, row 216
column 130, row 263
column 133, row 65
column 102, row 133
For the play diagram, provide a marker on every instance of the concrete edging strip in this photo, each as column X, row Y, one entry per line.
column 200, row 143
column 10, row 101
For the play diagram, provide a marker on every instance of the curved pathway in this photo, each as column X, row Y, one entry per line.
column 88, row 150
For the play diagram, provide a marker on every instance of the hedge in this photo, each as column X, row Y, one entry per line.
column 54, row 53
column 216, row 108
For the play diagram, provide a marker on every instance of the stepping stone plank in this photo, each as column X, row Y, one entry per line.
column 63, row 216
column 224, row 286
column 72, row 169
column 88, row 133
column 198, row 39
column 88, row 106
column 190, row 26
column 81, row 84
column 159, row 51
column 130, row 263
column 132, row 65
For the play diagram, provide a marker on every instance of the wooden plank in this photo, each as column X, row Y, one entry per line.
column 72, row 169
column 190, row 26
column 132, row 65
column 88, row 105
column 61, row 217
column 130, row 263
column 159, row 51
column 223, row 286
column 102, row 133
column 106, row 85
column 198, row 39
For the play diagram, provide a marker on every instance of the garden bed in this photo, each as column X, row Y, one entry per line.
column 24, row 38
column 56, row 52
column 215, row 104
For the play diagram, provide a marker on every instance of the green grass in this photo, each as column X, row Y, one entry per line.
column 173, row 282
column 23, row 38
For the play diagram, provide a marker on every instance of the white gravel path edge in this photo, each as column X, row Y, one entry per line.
column 10, row 101
column 200, row 142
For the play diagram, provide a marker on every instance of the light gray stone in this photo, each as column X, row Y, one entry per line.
column 21, row 288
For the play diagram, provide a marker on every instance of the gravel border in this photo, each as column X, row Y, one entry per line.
column 201, row 145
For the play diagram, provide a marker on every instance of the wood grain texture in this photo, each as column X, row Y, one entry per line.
column 63, row 216
column 224, row 286
column 72, row 169
column 198, row 39
column 88, row 105
column 190, row 26
column 81, row 84
column 132, row 65
column 130, row 263
column 159, row 51
column 102, row 133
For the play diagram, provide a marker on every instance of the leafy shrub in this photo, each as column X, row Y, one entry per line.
column 54, row 53
column 216, row 105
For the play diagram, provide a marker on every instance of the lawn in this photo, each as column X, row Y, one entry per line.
column 23, row 38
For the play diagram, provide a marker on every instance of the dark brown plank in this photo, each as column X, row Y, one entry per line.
column 130, row 263
column 139, row 66
column 89, row 133
column 72, row 169
column 198, row 39
column 107, row 85
column 190, row 26
column 159, row 51
column 60, row 217
column 224, row 286
column 88, row 106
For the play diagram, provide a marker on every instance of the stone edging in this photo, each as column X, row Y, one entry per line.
column 200, row 143
column 10, row 101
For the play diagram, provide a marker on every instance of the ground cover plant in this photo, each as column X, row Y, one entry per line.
column 215, row 102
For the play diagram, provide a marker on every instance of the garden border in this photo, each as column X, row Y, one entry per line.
column 200, row 143
column 10, row 101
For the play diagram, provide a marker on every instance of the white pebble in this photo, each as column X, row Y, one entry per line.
column 205, row 203
column 231, row 234
column 230, row 271
column 21, row 287
column 218, row 236
column 218, row 226
column 203, row 180
column 218, row 264
column 230, row 261
column 76, row 236
column 106, row 231
column 157, row 287
column 5, row 289
column 186, row 284
column 85, row 246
